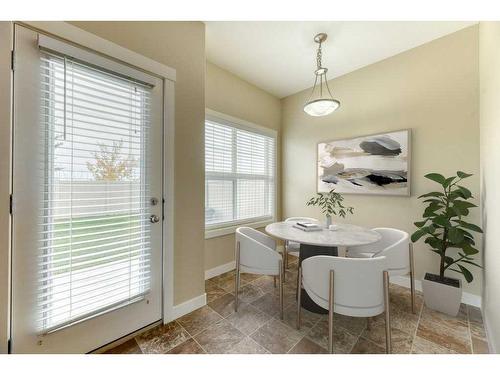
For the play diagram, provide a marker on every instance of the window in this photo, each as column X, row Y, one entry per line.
column 240, row 173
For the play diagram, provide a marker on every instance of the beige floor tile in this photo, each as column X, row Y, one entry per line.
column 248, row 318
column 199, row 319
column 265, row 283
column 422, row 346
column 224, row 306
column 276, row 337
column 189, row 346
column 269, row 303
column 343, row 341
column 401, row 341
column 249, row 293
column 306, row 346
column 249, row 277
column 128, row 347
column 219, row 338
column 479, row 346
column 213, row 292
column 247, row 346
column 161, row 339
column 448, row 331
column 307, row 319
column 364, row 346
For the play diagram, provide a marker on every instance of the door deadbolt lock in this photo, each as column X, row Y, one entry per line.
column 153, row 201
column 154, row 218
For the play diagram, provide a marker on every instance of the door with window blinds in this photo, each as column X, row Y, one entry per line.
column 86, row 230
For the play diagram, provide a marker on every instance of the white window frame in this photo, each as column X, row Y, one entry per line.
column 223, row 119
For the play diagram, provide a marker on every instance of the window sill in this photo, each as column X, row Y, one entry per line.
column 219, row 232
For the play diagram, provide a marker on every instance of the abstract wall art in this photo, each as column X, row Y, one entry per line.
column 374, row 164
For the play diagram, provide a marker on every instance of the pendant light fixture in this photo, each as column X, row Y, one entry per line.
column 320, row 102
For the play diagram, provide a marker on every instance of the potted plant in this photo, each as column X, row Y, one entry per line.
column 444, row 228
column 330, row 204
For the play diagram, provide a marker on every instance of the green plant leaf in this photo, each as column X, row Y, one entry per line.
column 466, row 192
column 463, row 174
column 468, row 276
column 448, row 181
column 418, row 234
column 471, row 263
column 432, row 194
column 436, row 177
column 464, row 204
column 441, row 220
column 468, row 249
column 420, row 224
column 470, row 226
column 455, row 235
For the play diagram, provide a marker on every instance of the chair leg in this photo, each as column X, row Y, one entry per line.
column 237, row 277
column 281, row 288
column 299, row 284
column 412, row 278
column 285, row 254
column 299, row 293
column 274, row 279
column 388, row 341
column 285, row 263
column 368, row 324
column 331, row 306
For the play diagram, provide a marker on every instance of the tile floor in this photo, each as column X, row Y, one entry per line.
column 256, row 328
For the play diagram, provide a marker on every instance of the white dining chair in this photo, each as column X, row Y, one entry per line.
column 290, row 246
column 256, row 253
column 351, row 287
column 395, row 245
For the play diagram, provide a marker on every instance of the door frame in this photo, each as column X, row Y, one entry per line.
column 83, row 39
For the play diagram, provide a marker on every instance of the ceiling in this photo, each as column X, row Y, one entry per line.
column 280, row 57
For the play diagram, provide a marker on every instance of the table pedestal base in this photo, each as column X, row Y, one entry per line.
column 307, row 251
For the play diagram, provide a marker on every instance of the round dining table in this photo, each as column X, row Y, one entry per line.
column 321, row 242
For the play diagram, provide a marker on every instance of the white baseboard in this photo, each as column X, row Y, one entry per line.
column 188, row 306
column 219, row 270
column 467, row 298
column 489, row 336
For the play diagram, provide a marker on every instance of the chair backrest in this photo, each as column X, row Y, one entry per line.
column 295, row 219
column 257, row 252
column 396, row 250
column 394, row 245
column 358, row 283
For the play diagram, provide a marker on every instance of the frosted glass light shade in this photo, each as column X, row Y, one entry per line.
column 321, row 107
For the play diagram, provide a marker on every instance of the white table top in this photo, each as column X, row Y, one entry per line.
column 344, row 236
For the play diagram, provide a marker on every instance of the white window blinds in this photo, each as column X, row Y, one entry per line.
column 239, row 175
column 94, row 243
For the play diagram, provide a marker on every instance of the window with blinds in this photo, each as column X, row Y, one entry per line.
column 239, row 175
column 94, row 245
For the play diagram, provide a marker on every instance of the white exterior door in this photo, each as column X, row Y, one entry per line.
column 87, row 198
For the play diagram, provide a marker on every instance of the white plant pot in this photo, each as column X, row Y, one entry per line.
column 442, row 297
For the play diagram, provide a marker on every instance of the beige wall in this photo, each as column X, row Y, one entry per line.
column 5, row 141
column 489, row 48
column 432, row 89
column 229, row 94
column 180, row 45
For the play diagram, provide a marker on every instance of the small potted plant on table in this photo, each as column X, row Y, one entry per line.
column 444, row 228
column 330, row 204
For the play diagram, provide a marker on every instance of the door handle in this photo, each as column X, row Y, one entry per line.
column 154, row 218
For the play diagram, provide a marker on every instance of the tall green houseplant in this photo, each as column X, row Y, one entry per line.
column 444, row 226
